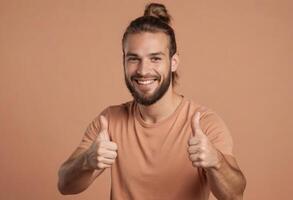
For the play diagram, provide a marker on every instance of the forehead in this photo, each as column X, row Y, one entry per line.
column 146, row 42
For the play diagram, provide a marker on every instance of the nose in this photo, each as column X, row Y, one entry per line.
column 143, row 67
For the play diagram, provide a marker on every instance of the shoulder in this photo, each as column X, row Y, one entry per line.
column 192, row 106
column 209, row 118
column 120, row 110
column 113, row 111
column 214, row 127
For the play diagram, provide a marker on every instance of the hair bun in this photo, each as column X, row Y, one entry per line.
column 159, row 11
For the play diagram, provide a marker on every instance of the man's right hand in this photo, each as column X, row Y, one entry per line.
column 103, row 152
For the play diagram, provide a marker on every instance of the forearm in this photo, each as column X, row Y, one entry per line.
column 226, row 181
column 75, row 176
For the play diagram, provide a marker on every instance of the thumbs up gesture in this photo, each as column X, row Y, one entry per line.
column 201, row 151
column 103, row 152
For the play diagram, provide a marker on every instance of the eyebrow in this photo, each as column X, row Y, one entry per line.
column 151, row 54
column 157, row 54
column 131, row 54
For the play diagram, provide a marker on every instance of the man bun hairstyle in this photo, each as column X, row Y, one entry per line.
column 159, row 11
column 155, row 19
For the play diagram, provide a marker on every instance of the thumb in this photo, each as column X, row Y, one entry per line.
column 196, row 130
column 104, row 128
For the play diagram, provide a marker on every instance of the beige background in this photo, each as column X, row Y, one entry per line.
column 61, row 64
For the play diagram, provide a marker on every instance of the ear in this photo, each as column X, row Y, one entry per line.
column 174, row 62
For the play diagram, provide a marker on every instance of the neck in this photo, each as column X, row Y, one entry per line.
column 163, row 108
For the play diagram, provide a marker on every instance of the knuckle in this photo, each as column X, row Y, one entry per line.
column 99, row 158
column 202, row 156
column 203, row 164
column 191, row 157
column 190, row 148
column 192, row 141
column 202, row 148
column 100, row 165
column 100, row 151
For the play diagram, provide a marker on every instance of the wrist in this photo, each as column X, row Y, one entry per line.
column 218, row 163
column 85, row 164
column 220, row 159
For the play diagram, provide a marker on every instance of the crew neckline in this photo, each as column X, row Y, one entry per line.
column 149, row 125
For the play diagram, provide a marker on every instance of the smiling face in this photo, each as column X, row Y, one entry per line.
column 147, row 66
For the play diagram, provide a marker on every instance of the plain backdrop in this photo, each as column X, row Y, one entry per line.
column 61, row 64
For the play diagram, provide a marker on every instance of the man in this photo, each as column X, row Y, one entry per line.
column 160, row 145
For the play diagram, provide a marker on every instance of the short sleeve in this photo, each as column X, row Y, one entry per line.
column 216, row 130
column 92, row 130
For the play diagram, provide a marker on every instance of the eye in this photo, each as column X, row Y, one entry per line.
column 132, row 59
column 155, row 59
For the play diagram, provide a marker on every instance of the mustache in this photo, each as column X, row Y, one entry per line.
column 147, row 76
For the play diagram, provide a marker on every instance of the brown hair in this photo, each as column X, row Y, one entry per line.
column 155, row 19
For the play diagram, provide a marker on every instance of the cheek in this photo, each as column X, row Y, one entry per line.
column 129, row 70
column 163, row 71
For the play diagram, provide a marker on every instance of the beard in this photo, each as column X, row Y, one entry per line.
column 157, row 94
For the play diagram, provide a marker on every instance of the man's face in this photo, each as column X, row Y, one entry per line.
column 147, row 66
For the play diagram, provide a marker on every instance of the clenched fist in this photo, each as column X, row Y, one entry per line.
column 201, row 151
column 103, row 152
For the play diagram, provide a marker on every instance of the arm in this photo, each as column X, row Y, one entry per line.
column 84, row 165
column 226, row 181
column 75, row 175
column 223, row 174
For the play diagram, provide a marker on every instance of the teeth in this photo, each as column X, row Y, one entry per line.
column 145, row 82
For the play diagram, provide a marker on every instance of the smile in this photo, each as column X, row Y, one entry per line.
column 145, row 82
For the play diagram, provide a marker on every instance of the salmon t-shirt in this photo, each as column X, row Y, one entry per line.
column 152, row 159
